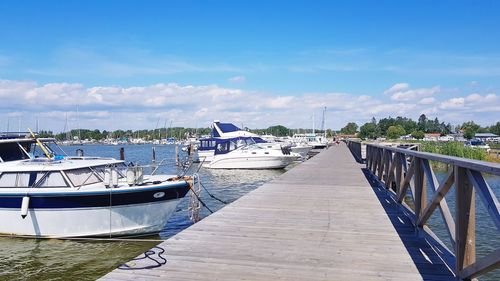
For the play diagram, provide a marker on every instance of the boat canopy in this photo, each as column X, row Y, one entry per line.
column 223, row 128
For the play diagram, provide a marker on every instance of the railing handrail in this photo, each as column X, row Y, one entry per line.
column 478, row 165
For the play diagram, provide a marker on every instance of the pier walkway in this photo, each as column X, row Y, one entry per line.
column 325, row 219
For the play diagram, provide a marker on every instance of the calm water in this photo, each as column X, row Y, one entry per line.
column 30, row 259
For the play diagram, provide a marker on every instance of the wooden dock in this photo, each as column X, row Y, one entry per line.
column 323, row 220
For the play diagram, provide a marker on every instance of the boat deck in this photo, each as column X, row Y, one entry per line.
column 322, row 220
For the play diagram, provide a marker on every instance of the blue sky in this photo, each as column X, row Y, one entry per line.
column 285, row 60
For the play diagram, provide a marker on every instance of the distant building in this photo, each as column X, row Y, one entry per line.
column 485, row 136
column 446, row 138
column 431, row 136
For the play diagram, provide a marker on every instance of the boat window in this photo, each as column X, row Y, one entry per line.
column 82, row 176
column 8, row 180
column 29, row 179
column 53, row 179
column 232, row 146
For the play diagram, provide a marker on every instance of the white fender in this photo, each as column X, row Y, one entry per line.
column 114, row 177
column 24, row 206
column 107, row 177
column 130, row 176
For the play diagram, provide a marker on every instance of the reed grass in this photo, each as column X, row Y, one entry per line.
column 453, row 148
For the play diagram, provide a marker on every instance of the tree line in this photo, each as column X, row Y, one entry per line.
column 394, row 128
column 162, row 133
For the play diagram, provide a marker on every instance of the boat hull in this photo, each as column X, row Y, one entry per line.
column 271, row 162
column 302, row 150
column 78, row 215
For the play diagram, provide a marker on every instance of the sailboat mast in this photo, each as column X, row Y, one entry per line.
column 323, row 122
column 313, row 122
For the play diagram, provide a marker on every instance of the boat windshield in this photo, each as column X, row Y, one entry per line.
column 13, row 151
column 52, row 147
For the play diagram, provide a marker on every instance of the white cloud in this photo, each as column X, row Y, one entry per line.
column 114, row 107
column 430, row 100
column 237, row 79
column 397, row 88
column 477, row 98
column 453, row 103
column 403, row 92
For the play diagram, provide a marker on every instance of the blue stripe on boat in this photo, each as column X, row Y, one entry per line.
column 93, row 199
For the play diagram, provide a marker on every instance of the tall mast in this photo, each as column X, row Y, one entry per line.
column 313, row 122
column 78, row 124
column 323, row 122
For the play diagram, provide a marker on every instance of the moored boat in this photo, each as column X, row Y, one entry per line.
column 232, row 154
column 61, row 196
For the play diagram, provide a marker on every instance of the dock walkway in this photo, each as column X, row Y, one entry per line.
column 322, row 220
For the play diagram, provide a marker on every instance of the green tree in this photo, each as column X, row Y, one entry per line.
column 470, row 129
column 350, row 129
column 418, row 134
column 384, row 124
column 278, row 130
column 368, row 131
column 394, row 132
column 422, row 123
column 495, row 129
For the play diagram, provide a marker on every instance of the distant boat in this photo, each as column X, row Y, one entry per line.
column 49, row 195
column 316, row 141
column 220, row 133
column 243, row 154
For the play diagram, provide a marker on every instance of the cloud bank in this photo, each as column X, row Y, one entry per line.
column 114, row 107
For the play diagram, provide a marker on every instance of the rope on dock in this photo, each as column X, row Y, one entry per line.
column 131, row 265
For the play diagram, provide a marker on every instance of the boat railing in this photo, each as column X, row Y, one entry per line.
column 409, row 177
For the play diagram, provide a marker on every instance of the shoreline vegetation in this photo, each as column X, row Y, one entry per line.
column 399, row 128
column 161, row 133
column 454, row 148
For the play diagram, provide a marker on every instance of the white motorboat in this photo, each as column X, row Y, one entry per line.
column 301, row 148
column 62, row 196
column 230, row 154
column 222, row 132
column 316, row 141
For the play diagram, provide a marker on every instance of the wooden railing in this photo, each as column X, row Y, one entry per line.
column 356, row 149
column 400, row 169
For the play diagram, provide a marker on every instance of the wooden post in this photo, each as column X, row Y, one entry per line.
column 399, row 173
column 381, row 161
column 122, row 153
column 420, row 188
column 154, row 155
column 176, row 155
column 465, row 227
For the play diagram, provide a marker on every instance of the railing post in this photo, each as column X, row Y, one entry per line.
column 465, row 227
column 420, row 188
column 399, row 173
column 381, row 156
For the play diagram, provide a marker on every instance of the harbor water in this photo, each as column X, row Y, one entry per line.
column 53, row 259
